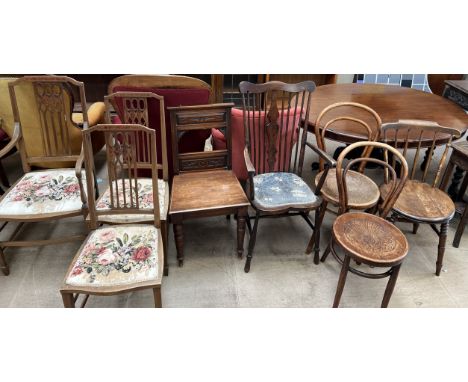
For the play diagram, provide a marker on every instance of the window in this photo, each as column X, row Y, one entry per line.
column 415, row 81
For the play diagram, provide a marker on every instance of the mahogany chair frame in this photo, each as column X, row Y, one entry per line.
column 396, row 184
column 274, row 99
column 49, row 104
column 134, row 110
column 416, row 128
column 123, row 162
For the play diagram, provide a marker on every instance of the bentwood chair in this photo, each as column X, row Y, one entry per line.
column 366, row 238
column 421, row 201
column 274, row 153
column 363, row 193
column 44, row 134
column 126, row 257
column 136, row 108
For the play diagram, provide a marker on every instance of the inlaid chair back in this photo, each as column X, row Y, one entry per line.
column 365, row 121
column 123, row 141
column 42, row 108
column 133, row 108
column 273, row 113
column 407, row 135
column 396, row 181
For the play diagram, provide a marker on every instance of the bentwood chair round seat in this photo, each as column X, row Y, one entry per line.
column 370, row 239
column 362, row 191
column 422, row 202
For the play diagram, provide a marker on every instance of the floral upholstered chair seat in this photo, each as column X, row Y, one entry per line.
column 282, row 189
column 145, row 199
column 116, row 255
column 42, row 192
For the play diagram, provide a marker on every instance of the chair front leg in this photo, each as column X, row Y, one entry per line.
column 460, row 228
column 252, row 240
column 341, row 281
column 179, row 241
column 441, row 247
column 157, row 297
column 315, row 238
column 390, row 285
column 241, row 214
column 165, row 237
column 68, row 300
column 3, row 264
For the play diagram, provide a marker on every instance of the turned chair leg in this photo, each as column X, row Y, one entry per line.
column 460, row 228
column 3, row 264
column 165, row 239
column 68, row 300
column 252, row 240
column 179, row 241
column 415, row 228
column 390, row 285
column 315, row 238
column 326, row 253
column 240, row 235
column 441, row 247
column 157, row 297
column 341, row 281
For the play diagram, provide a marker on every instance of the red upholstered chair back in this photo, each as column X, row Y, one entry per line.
column 177, row 91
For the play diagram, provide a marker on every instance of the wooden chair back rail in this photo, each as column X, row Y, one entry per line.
column 276, row 100
column 202, row 117
column 123, row 164
column 373, row 132
column 51, row 93
column 400, row 138
column 134, row 109
column 397, row 183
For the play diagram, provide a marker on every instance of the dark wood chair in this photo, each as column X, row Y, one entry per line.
column 126, row 257
column 363, row 193
column 420, row 201
column 134, row 109
column 204, row 184
column 274, row 153
column 366, row 238
column 44, row 134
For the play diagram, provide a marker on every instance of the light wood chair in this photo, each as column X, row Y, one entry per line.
column 420, row 201
column 135, row 108
column 126, row 257
column 48, row 141
column 274, row 153
column 363, row 193
column 204, row 184
column 366, row 238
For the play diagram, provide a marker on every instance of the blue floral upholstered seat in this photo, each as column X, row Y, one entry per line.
column 282, row 189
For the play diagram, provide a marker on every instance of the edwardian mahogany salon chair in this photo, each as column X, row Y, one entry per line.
column 422, row 202
column 274, row 153
column 138, row 108
column 126, row 257
column 204, row 184
column 366, row 238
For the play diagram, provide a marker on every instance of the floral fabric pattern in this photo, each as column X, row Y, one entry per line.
column 43, row 192
column 277, row 189
column 145, row 200
column 116, row 256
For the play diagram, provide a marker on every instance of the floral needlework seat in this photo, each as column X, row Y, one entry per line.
column 145, row 201
column 118, row 255
column 281, row 189
column 43, row 192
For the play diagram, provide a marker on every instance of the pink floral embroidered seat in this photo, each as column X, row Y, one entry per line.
column 117, row 255
column 145, row 200
column 43, row 192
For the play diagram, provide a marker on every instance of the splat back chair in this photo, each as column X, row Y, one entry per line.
column 126, row 257
column 274, row 152
column 47, row 141
column 363, row 193
column 421, row 200
column 134, row 109
column 204, row 184
column 364, row 237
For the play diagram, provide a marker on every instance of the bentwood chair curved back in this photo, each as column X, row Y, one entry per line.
column 422, row 201
column 366, row 238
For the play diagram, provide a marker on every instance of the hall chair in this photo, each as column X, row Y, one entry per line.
column 119, row 258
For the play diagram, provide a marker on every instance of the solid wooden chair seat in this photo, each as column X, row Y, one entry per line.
column 283, row 190
column 116, row 259
column 370, row 239
column 205, row 190
column 362, row 191
column 422, row 202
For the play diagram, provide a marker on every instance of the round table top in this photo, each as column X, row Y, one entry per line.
column 391, row 102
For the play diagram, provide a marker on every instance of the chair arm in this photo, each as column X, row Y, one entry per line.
column 95, row 114
column 251, row 172
column 323, row 155
column 14, row 140
column 78, row 174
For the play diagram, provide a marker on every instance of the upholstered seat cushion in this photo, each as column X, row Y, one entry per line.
column 43, row 192
column 145, row 199
column 282, row 189
column 116, row 255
